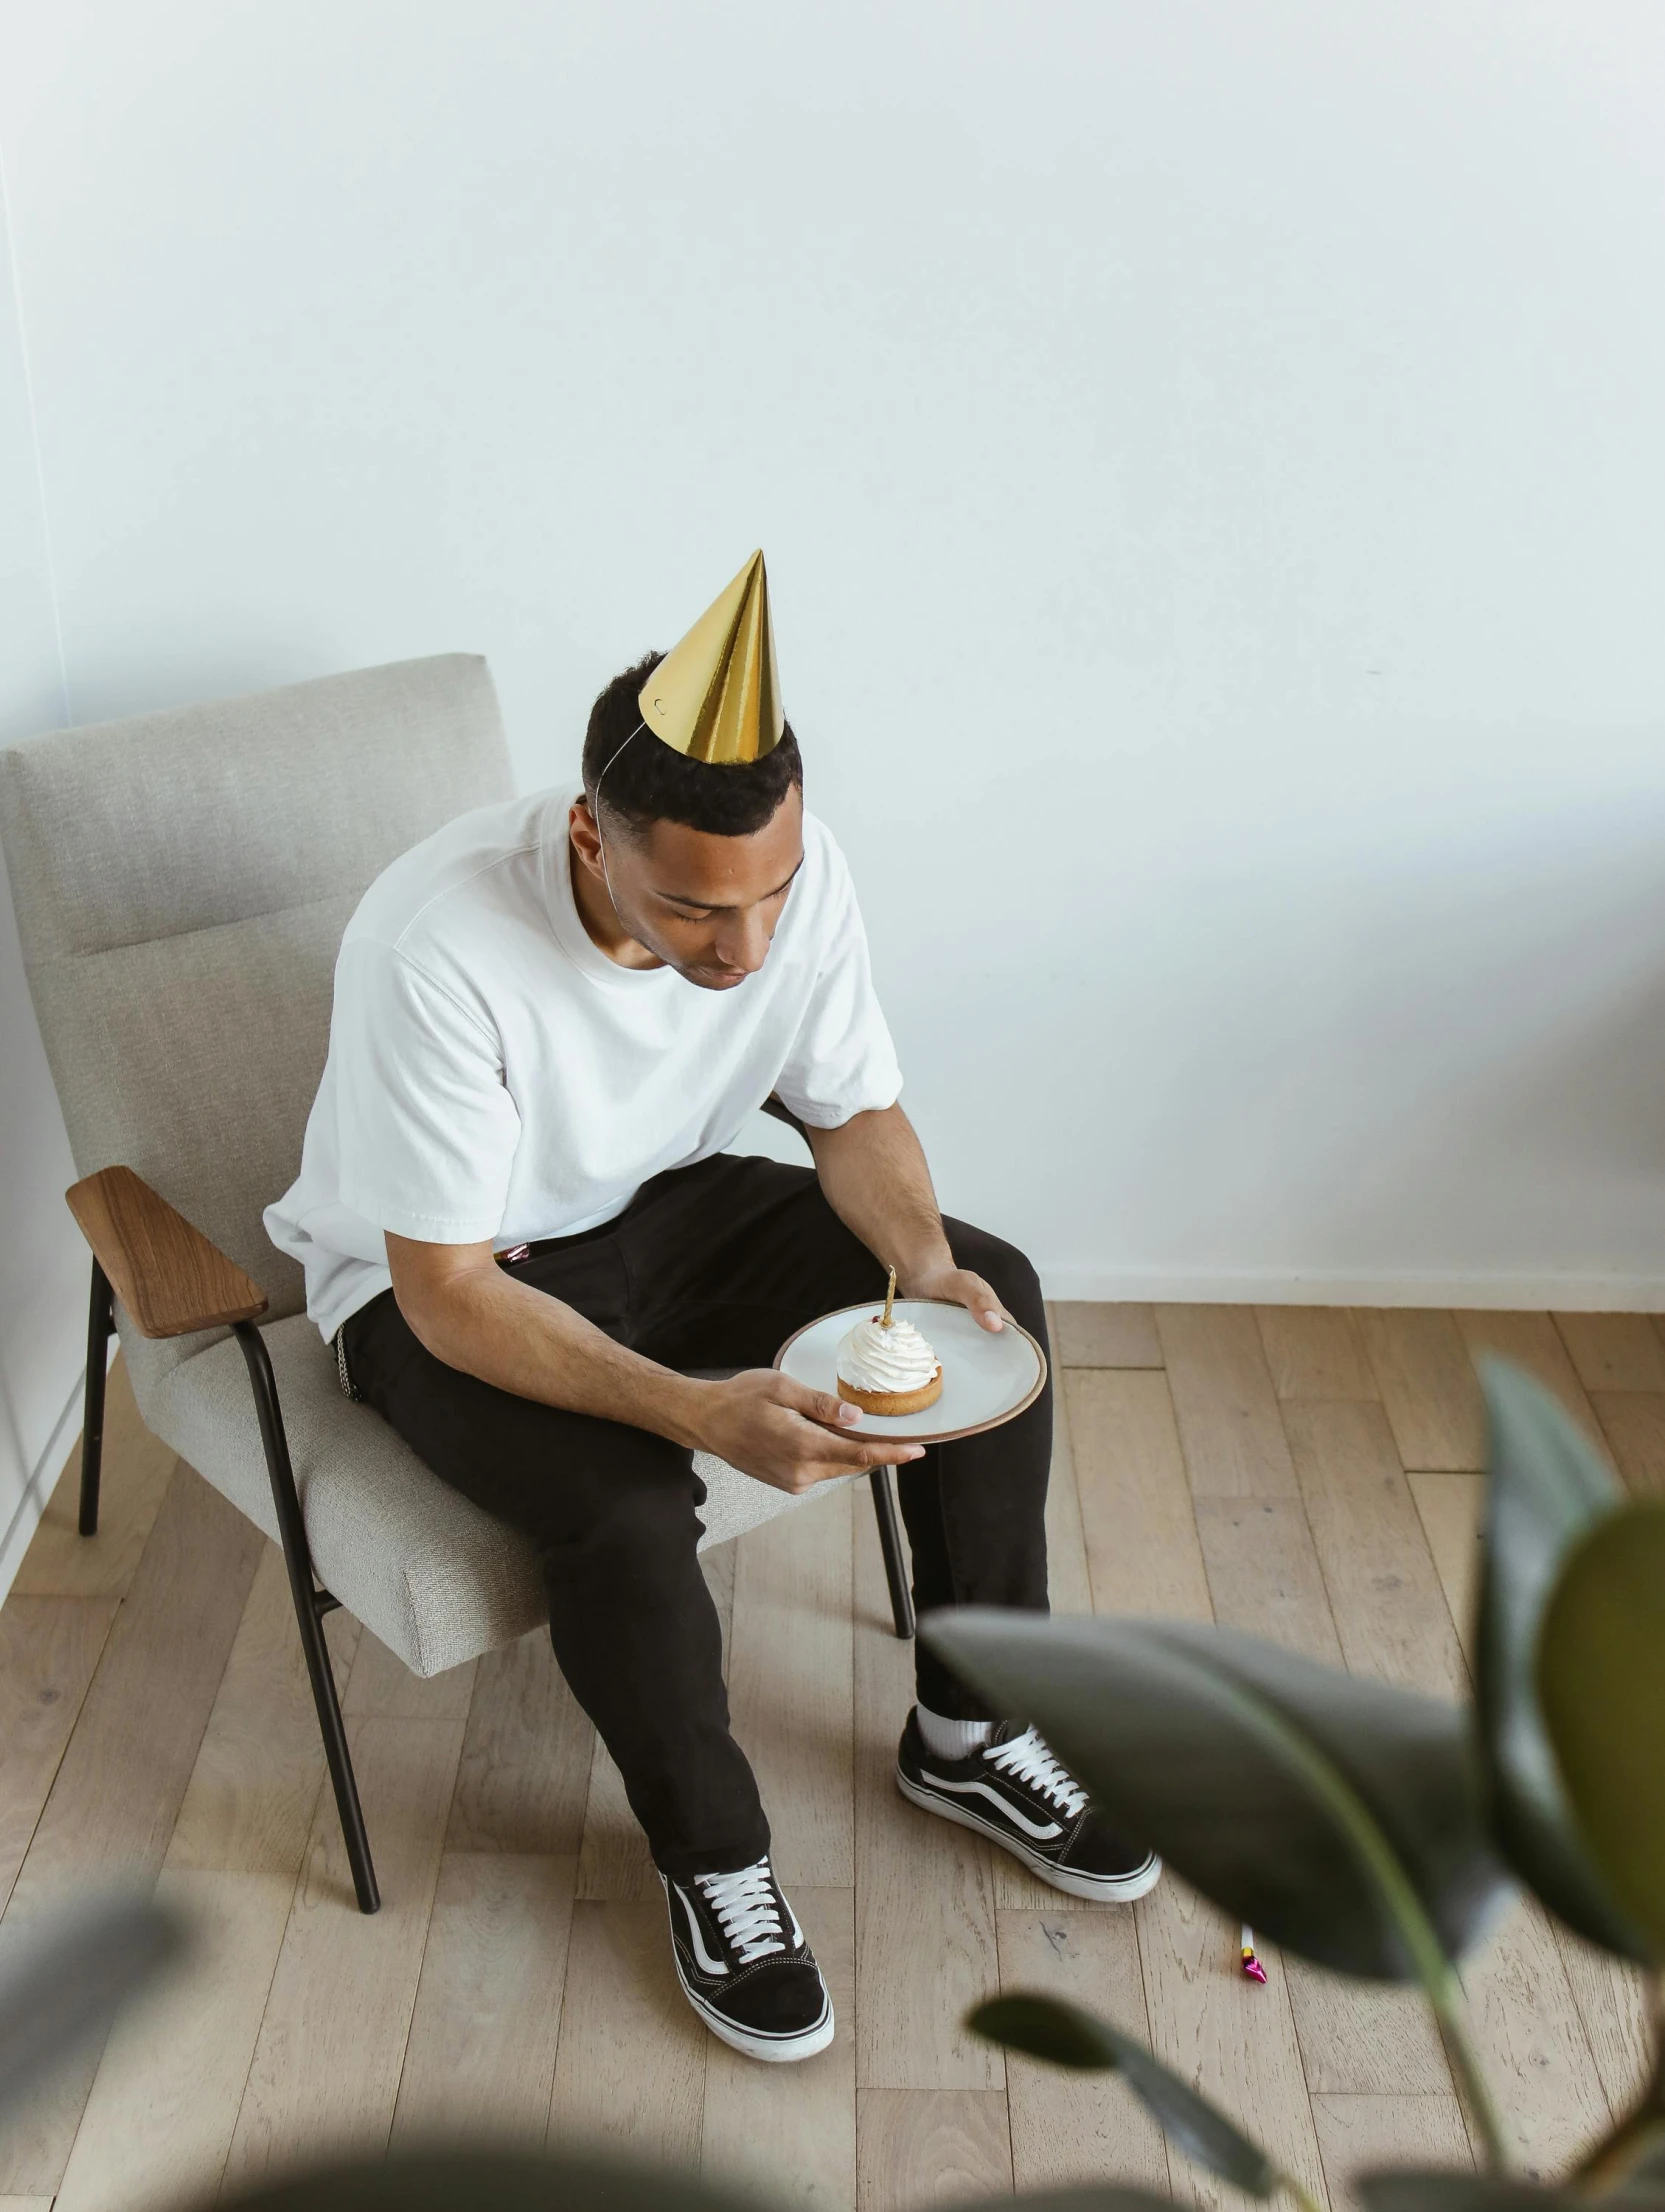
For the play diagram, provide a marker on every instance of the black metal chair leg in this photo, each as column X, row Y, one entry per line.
column 101, row 1319
column 883, row 1485
column 311, row 1604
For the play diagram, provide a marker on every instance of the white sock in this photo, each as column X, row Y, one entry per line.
column 952, row 1739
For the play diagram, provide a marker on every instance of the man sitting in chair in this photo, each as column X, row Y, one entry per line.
column 519, row 1227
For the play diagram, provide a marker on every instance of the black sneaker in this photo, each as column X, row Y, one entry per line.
column 744, row 1965
column 1019, row 1794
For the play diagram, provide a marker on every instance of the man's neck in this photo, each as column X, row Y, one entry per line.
column 600, row 918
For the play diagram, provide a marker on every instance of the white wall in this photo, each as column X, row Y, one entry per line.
column 1210, row 460
column 43, row 1268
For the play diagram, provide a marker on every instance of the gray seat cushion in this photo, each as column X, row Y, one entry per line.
column 429, row 1573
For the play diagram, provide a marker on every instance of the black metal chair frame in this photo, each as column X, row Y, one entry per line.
column 313, row 1603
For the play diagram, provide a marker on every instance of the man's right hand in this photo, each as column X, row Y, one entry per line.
column 777, row 1431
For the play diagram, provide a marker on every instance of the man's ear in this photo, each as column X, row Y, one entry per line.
column 586, row 838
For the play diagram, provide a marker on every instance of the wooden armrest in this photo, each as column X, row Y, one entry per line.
column 167, row 1274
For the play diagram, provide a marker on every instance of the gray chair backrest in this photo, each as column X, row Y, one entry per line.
column 181, row 883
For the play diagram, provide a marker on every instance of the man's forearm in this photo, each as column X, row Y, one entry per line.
column 463, row 1309
column 872, row 1169
column 526, row 1342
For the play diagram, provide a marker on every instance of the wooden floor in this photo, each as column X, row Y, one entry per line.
column 1305, row 1475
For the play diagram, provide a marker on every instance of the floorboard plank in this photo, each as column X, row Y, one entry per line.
column 480, row 2058
column 1385, row 1595
column 1224, row 1403
column 1103, row 1335
column 1532, row 2045
column 791, row 1685
column 1451, row 1508
column 1230, row 2038
column 630, row 2063
column 797, row 2149
column 925, row 1935
column 137, row 1468
column 249, row 1805
column 1263, row 1573
column 163, row 2108
column 325, row 2073
column 119, row 1785
column 48, row 1650
column 1428, row 1388
column 1357, row 2134
column 1071, row 2128
column 1532, row 1342
column 613, row 1860
column 1611, row 1997
column 930, row 2146
column 382, row 1687
column 1315, row 1352
column 1614, row 1351
column 1365, row 2038
column 524, row 1781
column 1137, row 1516
column 1633, row 1421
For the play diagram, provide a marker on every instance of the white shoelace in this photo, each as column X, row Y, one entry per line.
column 1029, row 1759
column 746, row 1910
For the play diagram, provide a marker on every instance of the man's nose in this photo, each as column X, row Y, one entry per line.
column 744, row 943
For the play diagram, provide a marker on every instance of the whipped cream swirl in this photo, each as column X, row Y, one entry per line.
column 873, row 1357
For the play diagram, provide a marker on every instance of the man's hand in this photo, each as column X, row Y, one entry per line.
column 774, row 1429
column 957, row 1286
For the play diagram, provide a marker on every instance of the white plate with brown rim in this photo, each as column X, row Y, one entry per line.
column 988, row 1375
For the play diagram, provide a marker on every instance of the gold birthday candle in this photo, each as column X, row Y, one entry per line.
column 890, row 1300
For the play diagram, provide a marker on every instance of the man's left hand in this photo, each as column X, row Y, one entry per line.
column 957, row 1286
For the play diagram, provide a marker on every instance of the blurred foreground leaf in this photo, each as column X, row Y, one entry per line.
column 1601, row 1680
column 1273, row 1785
column 1546, row 1490
column 62, row 1983
column 1410, row 2190
column 462, row 2177
column 1042, row 2027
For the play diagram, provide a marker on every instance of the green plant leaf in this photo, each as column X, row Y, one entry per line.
column 1242, row 1764
column 1412, row 2190
column 1043, row 2027
column 1601, row 1685
column 482, row 2177
column 1546, row 1489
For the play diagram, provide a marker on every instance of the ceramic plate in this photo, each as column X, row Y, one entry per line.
column 986, row 1377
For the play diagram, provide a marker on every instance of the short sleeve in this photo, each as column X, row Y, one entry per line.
column 427, row 1130
column 842, row 1061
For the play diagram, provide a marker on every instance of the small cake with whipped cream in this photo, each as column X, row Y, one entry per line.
column 886, row 1366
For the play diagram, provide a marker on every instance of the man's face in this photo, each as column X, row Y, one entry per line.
column 706, row 906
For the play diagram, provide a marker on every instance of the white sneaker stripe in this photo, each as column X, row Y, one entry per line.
column 696, row 1937
column 1019, row 1820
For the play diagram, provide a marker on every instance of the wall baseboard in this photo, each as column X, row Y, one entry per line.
column 50, row 1465
column 1506, row 1293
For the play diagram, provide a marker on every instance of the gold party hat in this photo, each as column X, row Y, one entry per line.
column 716, row 695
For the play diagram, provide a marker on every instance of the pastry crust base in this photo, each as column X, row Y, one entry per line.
column 892, row 1401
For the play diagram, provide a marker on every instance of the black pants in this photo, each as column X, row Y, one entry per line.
column 711, row 1266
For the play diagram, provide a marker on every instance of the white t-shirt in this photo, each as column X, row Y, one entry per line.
column 491, row 1074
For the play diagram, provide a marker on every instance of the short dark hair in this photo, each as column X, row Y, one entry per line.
column 647, row 781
